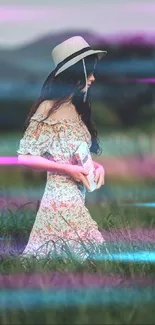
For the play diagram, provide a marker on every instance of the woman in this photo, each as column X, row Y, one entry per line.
column 54, row 129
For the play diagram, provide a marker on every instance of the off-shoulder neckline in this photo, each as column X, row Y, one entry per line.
column 40, row 116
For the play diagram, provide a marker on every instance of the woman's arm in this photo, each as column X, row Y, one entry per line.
column 42, row 164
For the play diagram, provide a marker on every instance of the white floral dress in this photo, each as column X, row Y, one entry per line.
column 63, row 224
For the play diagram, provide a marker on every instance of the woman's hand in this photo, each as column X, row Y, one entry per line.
column 78, row 174
column 99, row 176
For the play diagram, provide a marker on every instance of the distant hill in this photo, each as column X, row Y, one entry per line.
column 25, row 67
column 34, row 59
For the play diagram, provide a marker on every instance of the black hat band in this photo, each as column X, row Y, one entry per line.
column 72, row 56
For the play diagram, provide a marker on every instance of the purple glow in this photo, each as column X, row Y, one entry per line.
column 146, row 80
column 139, row 37
column 71, row 280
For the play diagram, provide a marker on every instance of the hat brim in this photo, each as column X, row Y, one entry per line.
column 100, row 53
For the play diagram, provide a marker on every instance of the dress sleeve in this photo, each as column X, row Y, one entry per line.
column 37, row 139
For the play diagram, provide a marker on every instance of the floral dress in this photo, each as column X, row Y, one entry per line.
column 63, row 225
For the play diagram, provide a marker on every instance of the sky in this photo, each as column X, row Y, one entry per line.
column 22, row 21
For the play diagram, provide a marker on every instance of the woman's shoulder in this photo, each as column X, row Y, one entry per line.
column 42, row 111
column 44, row 107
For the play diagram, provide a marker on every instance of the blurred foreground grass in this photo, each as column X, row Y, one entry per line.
column 78, row 315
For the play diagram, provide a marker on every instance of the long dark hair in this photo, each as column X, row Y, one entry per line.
column 68, row 84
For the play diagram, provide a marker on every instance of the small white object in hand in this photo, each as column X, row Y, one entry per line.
column 84, row 159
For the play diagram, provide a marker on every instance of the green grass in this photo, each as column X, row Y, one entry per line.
column 15, row 227
column 81, row 315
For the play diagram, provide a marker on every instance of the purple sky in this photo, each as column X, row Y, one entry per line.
column 22, row 23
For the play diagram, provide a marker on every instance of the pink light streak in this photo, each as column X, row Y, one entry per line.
column 123, row 10
column 25, row 13
column 8, row 160
column 123, row 166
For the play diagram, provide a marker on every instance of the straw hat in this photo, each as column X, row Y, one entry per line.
column 70, row 52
